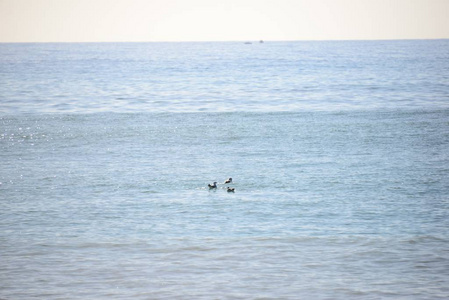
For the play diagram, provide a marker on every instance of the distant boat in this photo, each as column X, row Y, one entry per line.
column 261, row 41
column 248, row 43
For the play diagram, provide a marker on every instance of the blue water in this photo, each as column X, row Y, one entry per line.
column 180, row 77
column 338, row 151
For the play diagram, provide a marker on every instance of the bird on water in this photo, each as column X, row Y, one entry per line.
column 212, row 186
column 229, row 180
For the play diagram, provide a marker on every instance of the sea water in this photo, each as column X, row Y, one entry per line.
column 338, row 153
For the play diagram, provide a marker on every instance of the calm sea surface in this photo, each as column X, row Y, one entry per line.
column 339, row 153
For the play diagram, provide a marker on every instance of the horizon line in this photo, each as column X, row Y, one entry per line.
column 224, row 41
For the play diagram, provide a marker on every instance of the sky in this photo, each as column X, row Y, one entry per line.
column 221, row 20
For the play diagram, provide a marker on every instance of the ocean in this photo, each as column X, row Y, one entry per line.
column 338, row 152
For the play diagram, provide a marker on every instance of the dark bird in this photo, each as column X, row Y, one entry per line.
column 229, row 180
column 212, row 186
column 231, row 190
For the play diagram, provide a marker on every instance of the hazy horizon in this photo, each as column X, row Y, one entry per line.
column 23, row 21
column 226, row 41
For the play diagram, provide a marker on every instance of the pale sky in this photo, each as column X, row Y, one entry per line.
column 220, row 20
